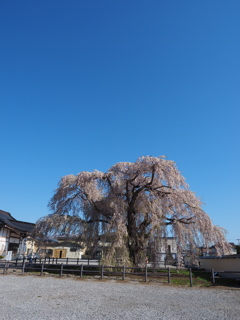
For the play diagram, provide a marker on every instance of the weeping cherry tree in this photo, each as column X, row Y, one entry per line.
column 129, row 207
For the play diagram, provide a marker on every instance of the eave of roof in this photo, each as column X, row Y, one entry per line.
column 20, row 226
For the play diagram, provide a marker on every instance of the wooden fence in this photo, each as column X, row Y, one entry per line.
column 120, row 272
column 81, row 270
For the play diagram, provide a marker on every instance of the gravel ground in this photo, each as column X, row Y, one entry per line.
column 42, row 298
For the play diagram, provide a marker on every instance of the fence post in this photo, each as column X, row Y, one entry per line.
column 5, row 267
column 45, row 259
column 123, row 274
column 49, row 260
column 67, row 260
column 190, row 277
column 77, row 260
column 169, row 275
column 61, row 269
column 88, row 260
column 23, row 267
column 213, row 278
column 102, row 272
column 146, row 273
column 42, row 266
column 16, row 262
column 56, row 260
column 81, row 271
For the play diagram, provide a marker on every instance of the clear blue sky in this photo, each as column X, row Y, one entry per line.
column 86, row 84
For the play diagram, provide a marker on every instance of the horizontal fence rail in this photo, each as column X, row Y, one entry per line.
column 224, row 275
column 51, row 260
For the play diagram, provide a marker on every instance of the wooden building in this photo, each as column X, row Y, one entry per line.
column 13, row 235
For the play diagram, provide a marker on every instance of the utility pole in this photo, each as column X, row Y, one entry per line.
column 238, row 241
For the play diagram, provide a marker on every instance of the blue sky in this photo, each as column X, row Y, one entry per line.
column 86, row 84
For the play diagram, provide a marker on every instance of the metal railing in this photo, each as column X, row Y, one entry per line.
column 66, row 261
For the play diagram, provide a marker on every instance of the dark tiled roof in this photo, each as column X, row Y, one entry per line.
column 6, row 219
column 5, row 215
column 64, row 244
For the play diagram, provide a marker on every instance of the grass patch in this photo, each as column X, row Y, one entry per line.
column 199, row 278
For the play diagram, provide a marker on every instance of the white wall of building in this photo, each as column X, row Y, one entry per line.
column 4, row 239
column 220, row 264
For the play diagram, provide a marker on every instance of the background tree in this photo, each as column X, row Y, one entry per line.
column 130, row 206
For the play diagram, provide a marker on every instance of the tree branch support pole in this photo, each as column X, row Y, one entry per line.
column 169, row 275
column 190, row 277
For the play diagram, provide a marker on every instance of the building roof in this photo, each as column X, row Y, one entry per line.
column 7, row 220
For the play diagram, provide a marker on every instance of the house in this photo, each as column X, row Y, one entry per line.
column 212, row 251
column 13, row 235
column 65, row 247
column 62, row 247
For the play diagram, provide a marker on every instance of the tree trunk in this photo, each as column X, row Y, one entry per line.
column 135, row 243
